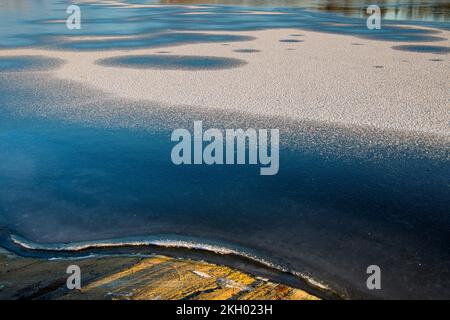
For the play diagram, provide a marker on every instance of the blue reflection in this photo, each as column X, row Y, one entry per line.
column 155, row 26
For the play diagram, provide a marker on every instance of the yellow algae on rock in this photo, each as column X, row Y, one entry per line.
column 143, row 265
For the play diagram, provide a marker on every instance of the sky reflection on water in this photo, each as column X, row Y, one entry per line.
column 37, row 23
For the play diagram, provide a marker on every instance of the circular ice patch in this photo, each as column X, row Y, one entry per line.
column 28, row 63
column 169, row 62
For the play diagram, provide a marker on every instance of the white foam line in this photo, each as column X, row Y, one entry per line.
column 166, row 243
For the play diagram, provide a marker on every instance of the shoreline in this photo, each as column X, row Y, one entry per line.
column 136, row 278
column 235, row 257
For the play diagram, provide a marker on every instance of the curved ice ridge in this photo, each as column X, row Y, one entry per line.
column 175, row 242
